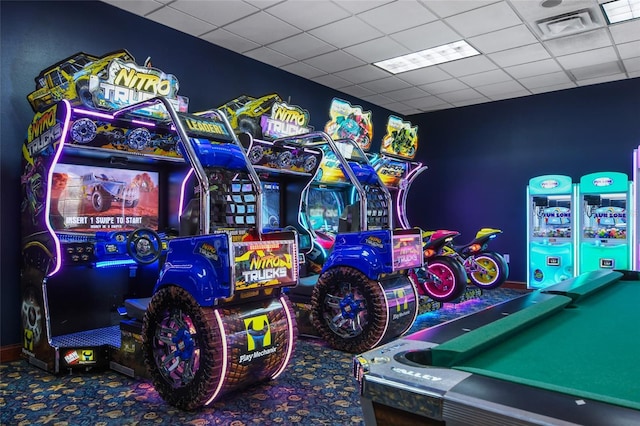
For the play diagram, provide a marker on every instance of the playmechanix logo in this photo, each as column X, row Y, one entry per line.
column 259, row 338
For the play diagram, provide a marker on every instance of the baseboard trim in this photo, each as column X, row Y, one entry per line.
column 515, row 285
column 10, row 353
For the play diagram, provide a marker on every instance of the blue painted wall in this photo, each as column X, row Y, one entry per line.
column 480, row 157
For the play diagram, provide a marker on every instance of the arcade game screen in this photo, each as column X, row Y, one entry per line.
column 271, row 204
column 325, row 207
column 90, row 199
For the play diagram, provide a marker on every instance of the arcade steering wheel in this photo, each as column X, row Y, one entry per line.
column 144, row 245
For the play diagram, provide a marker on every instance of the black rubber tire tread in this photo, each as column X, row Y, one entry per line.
column 458, row 278
column 501, row 266
column 376, row 307
column 198, row 391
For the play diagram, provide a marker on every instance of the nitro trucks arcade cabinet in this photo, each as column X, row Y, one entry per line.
column 151, row 213
column 357, row 290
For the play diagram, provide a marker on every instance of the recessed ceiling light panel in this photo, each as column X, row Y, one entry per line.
column 621, row 10
column 425, row 58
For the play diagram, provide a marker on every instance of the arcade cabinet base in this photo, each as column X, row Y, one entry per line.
column 128, row 359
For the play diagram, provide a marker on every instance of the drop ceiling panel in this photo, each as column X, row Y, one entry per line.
column 303, row 70
column 397, row 16
column 427, row 102
column 484, row 20
column 301, row 46
column 520, row 55
column 229, row 40
column 334, row 61
column 219, row 13
column 357, row 91
column 426, row 36
column 625, row 31
column 406, row 94
column 444, row 8
column 468, row 66
column 331, row 80
column 444, row 86
column 384, row 85
column 336, row 42
column 533, row 69
column 484, row 78
column 460, row 95
column 629, row 50
column 546, row 80
column 360, row 6
column 377, row 50
column 498, row 89
column 308, row 14
column 503, row 39
column 591, row 57
column 346, row 32
column 269, row 56
column 362, row 74
column 262, row 28
column 180, row 21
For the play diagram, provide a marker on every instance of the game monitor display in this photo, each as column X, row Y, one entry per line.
column 271, row 204
column 325, row 207
column 91, row 199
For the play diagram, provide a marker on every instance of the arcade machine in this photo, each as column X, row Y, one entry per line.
column 551, row 233
column 141, row 241
column 443, row 278
column 603, row 242
column 354, row 291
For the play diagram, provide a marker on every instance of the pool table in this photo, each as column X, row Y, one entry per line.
column 568, row 354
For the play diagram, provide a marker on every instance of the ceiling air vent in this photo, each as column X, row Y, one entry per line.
column 567, row 24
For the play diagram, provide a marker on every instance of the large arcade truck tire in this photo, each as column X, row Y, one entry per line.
column 349, row 310
column 493, row 271
column 84, row 94
column 182, row 348
column 445, row 279
column 249, row 125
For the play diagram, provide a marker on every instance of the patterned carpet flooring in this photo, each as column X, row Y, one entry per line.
column 316, row 389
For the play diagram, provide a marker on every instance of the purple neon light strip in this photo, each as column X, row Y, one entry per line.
column 47, row 208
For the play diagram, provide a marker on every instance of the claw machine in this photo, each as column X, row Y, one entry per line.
column 550, row 230
column 604, row 199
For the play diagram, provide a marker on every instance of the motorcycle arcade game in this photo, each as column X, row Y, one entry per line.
column 142, row 252
column 354, row 291
column 550, row 230
column 443, row 277
column 603, row 242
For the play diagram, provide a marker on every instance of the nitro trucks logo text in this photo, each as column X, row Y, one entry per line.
column 127, row 83
column 285, row 120
column 264, row 263
column 42, row 133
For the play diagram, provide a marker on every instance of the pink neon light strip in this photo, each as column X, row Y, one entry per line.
column 109, row 116
column 223, row 372
column 290, row 341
